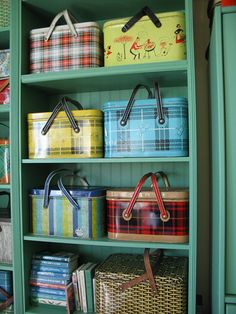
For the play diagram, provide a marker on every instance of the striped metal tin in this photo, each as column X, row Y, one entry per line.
column 62, row 219
column 61, row 141
column 143, row 135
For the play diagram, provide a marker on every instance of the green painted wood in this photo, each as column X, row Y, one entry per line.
column 229, row 42
column 4, row 266
column 106, row 242
column 93, row 87
column 105, row 160
column 218, row 165
column 230, row 299
column 193, row 174
column 5, row 186
column 230, row 308
column 49, row 310
column 4, row 37
column 14, row 160
column 99, row 79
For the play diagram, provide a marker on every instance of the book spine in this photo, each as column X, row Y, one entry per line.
column 89, row 290
column 48, row 301
column 48, row 290
column 51, row 263
column 46, row 285
column 57, row 258
column 94, row 294
column 83, row 291
column 70, row 301
column 76, row 290
column 51, row 280
column 51, row 269
column 50, row 274
column 48, row 296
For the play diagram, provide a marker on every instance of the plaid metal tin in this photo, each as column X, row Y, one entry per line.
column 63, row 51
column 4, row 161
column 62, row 219
column 6, row 283
column 5, row 240
column 61, row 141
column 144, row 136
column 146, row 223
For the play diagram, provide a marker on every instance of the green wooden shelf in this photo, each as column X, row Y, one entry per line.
column 5, row 266
column 4, row 112
column 104, row 160
column 38, row 309
column 4, row 37
column 5, row 186
column 106, row 242
column 107, row 78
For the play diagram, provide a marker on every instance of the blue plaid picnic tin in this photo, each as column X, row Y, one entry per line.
column 6, row 283
column 61, row 218
column 144, row 135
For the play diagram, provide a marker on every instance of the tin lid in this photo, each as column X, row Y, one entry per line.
column 145, row 18
column 75, row 191
column 77, row 114
column 4, row 141
column 148, row 103
column 149, row 194
column 60, row 28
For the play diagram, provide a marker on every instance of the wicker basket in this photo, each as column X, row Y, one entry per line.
column 4, row 13
column 118, row 269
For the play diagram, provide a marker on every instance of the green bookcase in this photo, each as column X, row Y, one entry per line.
column 93, row 87
column 223, row 76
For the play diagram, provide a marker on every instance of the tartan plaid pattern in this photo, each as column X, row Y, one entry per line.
column 6, row 283
column 63, row 51
column 62, row 141
column 146, row 218
column 143, row 135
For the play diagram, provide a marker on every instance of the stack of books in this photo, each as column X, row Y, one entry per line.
column 84, row 287
column 50, row 278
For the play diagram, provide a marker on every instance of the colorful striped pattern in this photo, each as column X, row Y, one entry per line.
column 146, row 218
column 62, row 219
column 63, row 51
column 143, row 136
column 61, row 141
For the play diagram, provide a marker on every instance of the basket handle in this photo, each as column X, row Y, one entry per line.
column 149, row 274
column 164, row 178
column 9, row 301
column 145, row 11
column 66, row 192
column 164, row 214
column 67, row 16
column 129, row 106
column 47, row 185
column 63, row 104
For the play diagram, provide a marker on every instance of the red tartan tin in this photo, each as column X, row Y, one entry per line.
column 65, row 47
column 151, row 215
column 4, row 91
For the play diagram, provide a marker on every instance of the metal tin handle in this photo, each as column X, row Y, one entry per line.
column 161, row 118
column 47, row 185
column 63, row 103
column 67, row 17
column 66, row 192
column 145, row 11
column 129, row 106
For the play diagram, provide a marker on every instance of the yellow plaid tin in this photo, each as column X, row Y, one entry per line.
column 143, row 41
column 61, row 141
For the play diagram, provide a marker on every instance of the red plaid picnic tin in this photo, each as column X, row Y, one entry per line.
column 151, row 215
column 65, row 47
column 4, row 91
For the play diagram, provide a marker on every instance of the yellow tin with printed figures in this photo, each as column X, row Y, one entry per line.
column 160, row 37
